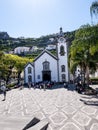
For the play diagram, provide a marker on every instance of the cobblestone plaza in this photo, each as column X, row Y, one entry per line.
column 62, row 108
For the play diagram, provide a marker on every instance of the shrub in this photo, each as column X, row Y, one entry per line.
column 10, row 86
column 94, row 80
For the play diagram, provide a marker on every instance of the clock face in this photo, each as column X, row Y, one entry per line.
column 61, row 39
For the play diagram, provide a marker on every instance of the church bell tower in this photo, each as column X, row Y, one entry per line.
column 62, row 54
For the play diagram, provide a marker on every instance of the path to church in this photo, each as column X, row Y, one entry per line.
column 62, row 108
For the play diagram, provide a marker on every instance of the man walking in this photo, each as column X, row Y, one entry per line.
column 3, row 89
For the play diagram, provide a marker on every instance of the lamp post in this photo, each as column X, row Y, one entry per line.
column 0, row 77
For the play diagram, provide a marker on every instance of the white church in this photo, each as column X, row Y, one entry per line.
column 48, row 67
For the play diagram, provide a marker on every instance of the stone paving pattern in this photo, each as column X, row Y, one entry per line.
column 61, row 107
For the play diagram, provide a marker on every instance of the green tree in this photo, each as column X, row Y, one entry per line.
column 20, row 63
column 8, row 62
column 1, row 65
column 94, row 9
column 83, row 50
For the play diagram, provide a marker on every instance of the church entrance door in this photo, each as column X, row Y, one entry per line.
column 46, row 75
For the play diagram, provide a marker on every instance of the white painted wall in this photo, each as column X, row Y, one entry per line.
column 26, row 73
column 51, row 47
column 39, row 67
column 95, row 75
column 19, row 50
column 63, row 60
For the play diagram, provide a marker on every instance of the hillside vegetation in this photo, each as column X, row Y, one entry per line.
column 8, row 43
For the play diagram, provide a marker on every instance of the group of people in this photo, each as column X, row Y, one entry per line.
column 40, row 85
column 80, row 87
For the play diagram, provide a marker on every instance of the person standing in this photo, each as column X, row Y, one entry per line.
column 64, row 85
column 29, row 85
column 3, row 89
column 44, row 86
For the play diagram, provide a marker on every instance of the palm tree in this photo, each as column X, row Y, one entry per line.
column 94, row 9
column 83, row 50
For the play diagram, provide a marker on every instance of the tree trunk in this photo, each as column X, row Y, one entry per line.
column 19, row 77
column 83, row 73
column 8, row 76
column 87, row 75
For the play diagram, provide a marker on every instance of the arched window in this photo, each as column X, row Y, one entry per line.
column 29, row 70
column 30, row 79
column 62, row 51
column 62, row 68
column 46, row 66
column 63, row 78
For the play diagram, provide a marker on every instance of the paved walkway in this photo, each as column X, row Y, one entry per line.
column 62, row 108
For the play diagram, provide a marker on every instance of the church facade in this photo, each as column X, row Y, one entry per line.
column 48, row 67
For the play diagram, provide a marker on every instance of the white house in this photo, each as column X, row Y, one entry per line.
column 51, row 47
column 94, row 75
column 19, row 50
column 47, row 67
column 33, row 48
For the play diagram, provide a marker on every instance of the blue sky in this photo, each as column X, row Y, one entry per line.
column 35, row 18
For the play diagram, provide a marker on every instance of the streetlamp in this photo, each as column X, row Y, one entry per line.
column 0, row 78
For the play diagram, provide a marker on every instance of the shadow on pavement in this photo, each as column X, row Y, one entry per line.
column 71, row 87
column 89, row 97
column 36, row 124
column 94, row 103
column 45, row 127
column 33, row 122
